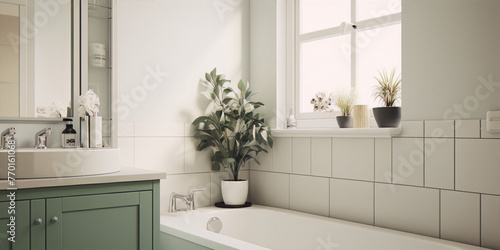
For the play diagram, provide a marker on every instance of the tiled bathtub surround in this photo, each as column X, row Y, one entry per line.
column 438, row 178
column 170, row 148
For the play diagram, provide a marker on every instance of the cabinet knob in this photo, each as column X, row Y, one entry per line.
column 54, row 219
column 38, row 221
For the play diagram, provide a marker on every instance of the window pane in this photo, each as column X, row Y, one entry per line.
column 367, row 9
column 322, row 14
column 325, row 65
column 376, row 48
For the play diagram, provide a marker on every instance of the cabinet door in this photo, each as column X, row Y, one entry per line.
column 109, row 221
column 22, row 225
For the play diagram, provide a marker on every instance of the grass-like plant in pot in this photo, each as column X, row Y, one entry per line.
column 234, row 130
column 388, row 92
column 345, row 102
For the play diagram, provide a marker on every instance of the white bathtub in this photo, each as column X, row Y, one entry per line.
column 260, row 227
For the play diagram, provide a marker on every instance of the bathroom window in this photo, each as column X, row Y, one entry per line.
column 339, row 45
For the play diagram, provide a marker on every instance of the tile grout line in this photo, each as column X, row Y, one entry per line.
column 392, row 161
column 374, row 204
column 480, row 219
column 440, row 205
column 454, row 160
column 424, row 138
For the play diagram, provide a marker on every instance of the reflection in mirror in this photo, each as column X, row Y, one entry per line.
column 36, row 54
column 9, row 61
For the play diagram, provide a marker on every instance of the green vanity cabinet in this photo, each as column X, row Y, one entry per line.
column 99, row 216
column 22, row 224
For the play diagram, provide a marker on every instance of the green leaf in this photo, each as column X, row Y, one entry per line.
column 207, row 77
column 199, row 120
column 242, row 87
column 215, row 166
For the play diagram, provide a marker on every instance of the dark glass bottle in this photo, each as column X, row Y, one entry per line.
column 68, row 135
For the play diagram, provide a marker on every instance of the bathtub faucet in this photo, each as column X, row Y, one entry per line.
column 189, row 198
column 7, row 135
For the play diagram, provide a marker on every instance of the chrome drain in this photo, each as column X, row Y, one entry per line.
column 214, row 225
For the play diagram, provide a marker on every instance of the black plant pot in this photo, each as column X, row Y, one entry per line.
column 387, row 117
column 344, row 121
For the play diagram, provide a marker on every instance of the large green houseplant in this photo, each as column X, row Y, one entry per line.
column 234, row 130
column 388, row 92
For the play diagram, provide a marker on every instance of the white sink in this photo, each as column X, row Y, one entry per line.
column 51, row 163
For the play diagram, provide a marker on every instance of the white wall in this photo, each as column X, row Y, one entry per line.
column 263, row 59
column 448, row 45
column 184, row 39
column 164, row 49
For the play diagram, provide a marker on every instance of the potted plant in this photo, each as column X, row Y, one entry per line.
column 388, row 91
column 345, row 102
column 234, row 130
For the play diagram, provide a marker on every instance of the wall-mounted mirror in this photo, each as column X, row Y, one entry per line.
column 35, row 58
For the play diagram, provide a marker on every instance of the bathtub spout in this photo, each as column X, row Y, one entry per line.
column 189, row 199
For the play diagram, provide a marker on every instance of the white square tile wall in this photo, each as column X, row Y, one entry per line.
column 154, row 129
column 194, row 160
column 321, row 157
column 265, row 160
column 126, row 146
column 165, row 154
column 410, row 209
column 490, row 221
column 270, row 189
column 467, row 128
column 301, row 156
column 383, row 160
column 440, row 163
column 353, row 158
column 361, row 169
column 408, row 161
column 466, row 207
column 412, row 129
column 282, row 155
column 477, row 165
column 440, row 129
column 125, row 129
column 351, row 200
column 309, row 194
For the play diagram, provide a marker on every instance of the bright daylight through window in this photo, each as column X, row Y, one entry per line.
column 340, row 45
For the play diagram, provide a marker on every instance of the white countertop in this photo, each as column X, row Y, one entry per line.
column 124, row 175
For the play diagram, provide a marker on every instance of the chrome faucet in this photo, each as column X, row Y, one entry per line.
column 41, row 138
column 189, row 198
column 7, row 135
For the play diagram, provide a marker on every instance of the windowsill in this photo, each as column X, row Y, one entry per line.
column 338, row 132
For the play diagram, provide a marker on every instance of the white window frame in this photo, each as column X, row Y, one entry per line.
column 294, row 38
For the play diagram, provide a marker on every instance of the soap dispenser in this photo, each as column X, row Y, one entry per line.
column 68, row 135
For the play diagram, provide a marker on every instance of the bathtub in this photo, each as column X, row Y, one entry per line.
column 261, row 228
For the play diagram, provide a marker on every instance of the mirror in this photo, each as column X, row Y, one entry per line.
column 35, row 58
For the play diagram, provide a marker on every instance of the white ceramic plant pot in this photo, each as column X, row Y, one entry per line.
column 234, row 192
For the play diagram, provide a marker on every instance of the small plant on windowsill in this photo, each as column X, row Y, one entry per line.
column 234, row 130
column 388, row 92
column 345, row 102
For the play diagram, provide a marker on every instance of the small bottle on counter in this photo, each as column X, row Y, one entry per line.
column 291, row 122
column 68, row 135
